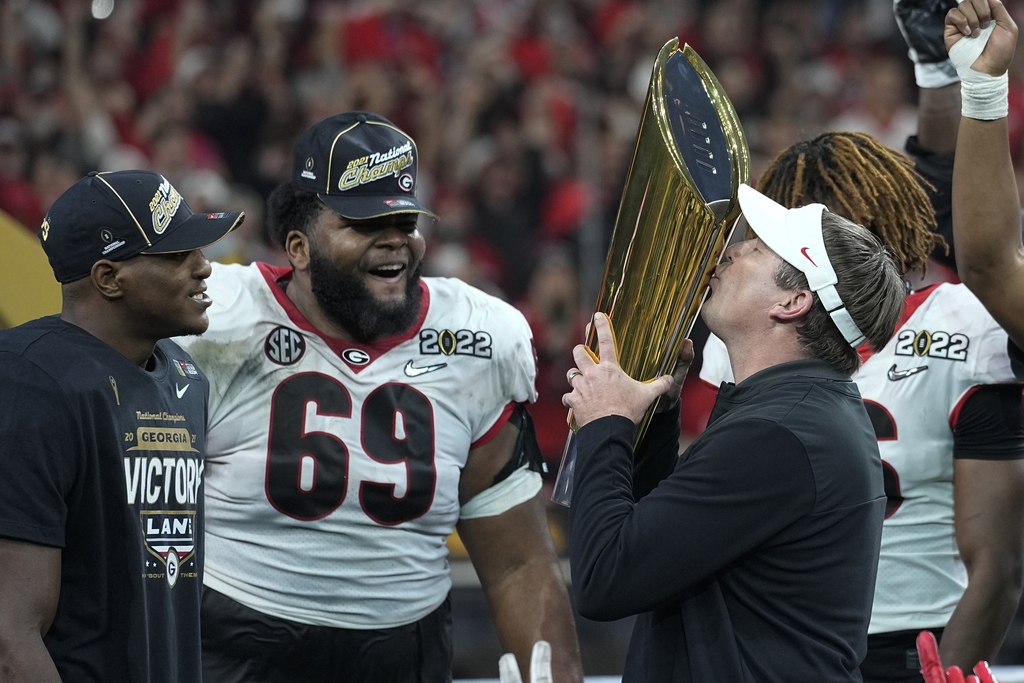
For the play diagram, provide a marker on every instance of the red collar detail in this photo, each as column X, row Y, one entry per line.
column 274, row 275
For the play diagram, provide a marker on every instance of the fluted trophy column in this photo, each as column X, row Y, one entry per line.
column 678, row 209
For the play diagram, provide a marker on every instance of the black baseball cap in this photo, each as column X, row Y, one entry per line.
column 360, row 165
column 119, row 215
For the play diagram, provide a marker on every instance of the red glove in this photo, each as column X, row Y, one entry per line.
column 931, row 665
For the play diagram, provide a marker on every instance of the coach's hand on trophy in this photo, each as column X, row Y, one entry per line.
column 601, row 388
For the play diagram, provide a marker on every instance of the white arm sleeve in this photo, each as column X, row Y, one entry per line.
column 519, row 487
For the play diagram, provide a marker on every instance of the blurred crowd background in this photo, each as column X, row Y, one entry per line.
column 525, row 113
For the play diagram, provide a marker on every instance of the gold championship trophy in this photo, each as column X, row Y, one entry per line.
column 677, row 213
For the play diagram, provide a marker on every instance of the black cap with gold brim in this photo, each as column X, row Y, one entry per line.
column 360, row 165
column 119, row 215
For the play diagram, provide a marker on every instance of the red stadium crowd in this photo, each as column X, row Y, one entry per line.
column 525, row 114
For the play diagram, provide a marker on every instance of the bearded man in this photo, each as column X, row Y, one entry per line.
column 358, row 414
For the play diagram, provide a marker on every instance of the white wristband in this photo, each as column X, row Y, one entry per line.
column 982, row 96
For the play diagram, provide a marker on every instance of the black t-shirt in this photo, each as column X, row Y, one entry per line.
column 104, row 459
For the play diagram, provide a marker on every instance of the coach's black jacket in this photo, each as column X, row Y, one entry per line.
column 750, row 558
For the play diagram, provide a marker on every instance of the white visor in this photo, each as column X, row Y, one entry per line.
column 795, row 235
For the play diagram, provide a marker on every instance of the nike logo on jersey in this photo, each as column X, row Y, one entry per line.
column 413, row 371
column 181, row 390
column 896, row 375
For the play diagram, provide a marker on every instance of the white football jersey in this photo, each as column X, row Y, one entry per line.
column 914, row 388
column 333, row 469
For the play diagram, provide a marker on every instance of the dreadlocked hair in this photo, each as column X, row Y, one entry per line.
column 861, row 179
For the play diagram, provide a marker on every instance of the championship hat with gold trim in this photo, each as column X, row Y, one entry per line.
column 120, row 214
column 360, row 165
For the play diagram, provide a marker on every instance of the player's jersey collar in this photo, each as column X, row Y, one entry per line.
column 275, row 274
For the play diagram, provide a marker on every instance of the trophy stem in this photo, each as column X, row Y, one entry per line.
column 562, row 493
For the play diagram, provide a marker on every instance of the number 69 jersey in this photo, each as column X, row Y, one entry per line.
column 946, row 347
column 333, row 468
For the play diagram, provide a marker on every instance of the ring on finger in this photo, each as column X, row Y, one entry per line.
column 573, row 374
